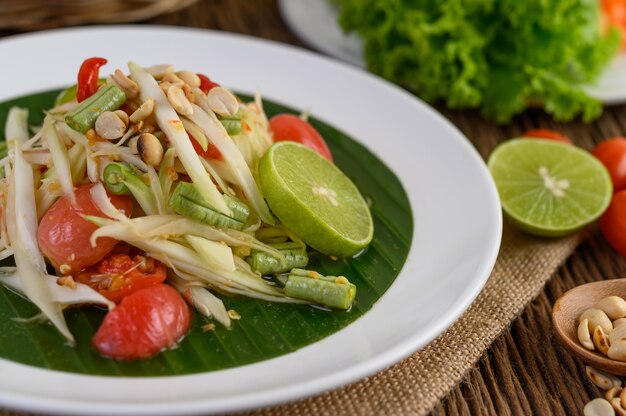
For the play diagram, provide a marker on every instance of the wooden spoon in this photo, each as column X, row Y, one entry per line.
column 571, row 305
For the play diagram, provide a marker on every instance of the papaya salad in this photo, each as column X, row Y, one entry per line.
column 141, row 193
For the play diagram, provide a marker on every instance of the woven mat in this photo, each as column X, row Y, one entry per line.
column 415, row 385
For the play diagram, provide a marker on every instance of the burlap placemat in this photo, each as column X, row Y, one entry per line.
column 415, row 385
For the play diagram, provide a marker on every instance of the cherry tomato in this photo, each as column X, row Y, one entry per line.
column 614, row 15
column 612, row 153
column 211, row 151
column 613, row 223
column 206, row 84
column 88, row 78
column 144, row 323
column 63, row 234
column 548, row 135
column 119, row 275
column 293, row 128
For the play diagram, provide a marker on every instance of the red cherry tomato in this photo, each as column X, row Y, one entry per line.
column 206, row 84
column 548, row 135
column 612, row 153
column 293, row 128
column 613, row 223
column 211, row 151
column 88, row 78
column 144, row 323
column 118, row 275
column 614, row 14
column 63, row 234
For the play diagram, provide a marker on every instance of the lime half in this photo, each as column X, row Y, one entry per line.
column 548, row 188
column 315, row 200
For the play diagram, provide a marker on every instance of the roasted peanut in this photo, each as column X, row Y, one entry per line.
column 222, row 101
column 613, row 306
column 173, row 80
column 600, row 340
column 130, row 88
column 110, row 126
column 603, row 380
column 159, row 71
column 597, row 317
column 583, row 335
column 189, row 93
column 612, row 393
column 181, row 104
column 617, row 406
column 143, row 112
column 123, row 116
column 150, row 149
column 598, row 407
column 165, row 86
column 190, row 78
column 617, row 334
column 132, row 143
column 617, row 351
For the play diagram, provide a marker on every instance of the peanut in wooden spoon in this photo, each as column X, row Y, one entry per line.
column 571, row 305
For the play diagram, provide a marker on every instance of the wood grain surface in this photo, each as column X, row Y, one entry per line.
column 525, row 371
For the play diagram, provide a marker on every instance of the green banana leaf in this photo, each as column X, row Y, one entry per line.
column 265, row 330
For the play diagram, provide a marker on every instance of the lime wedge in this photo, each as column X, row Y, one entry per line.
column 548, row 188
column 315, row 200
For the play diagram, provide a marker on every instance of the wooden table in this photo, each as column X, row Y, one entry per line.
column 525, row 371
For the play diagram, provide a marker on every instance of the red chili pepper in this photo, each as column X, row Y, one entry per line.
column 88, row 78
column 206, row 84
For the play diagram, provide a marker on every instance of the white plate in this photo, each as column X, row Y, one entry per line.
column 315, row 22
column 455, row 206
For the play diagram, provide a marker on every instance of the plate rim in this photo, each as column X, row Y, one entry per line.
column 311, row 387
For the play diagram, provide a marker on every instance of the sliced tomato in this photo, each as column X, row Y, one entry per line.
column 63, row 233
column 547, row 135
column 119, row 275
column 612, row 153
column 144, row 323
column 293, row 128
column 211, row 151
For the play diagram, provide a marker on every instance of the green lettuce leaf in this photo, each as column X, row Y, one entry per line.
column 496, row 55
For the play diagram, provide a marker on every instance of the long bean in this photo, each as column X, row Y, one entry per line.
column 335, row 292
column 121, row 179
column 264, row 263
column 83, row 117
column 188, row 202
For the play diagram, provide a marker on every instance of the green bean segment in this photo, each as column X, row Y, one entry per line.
column 123, row 179
column 187, row 201
column 83, row 117
column 294, row 255
column 114, row 176
column 332, row 291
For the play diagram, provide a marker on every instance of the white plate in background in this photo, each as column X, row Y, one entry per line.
column 315, row 22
